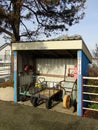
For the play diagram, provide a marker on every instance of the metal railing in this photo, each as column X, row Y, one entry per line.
column 90, row 93
column 5, row 71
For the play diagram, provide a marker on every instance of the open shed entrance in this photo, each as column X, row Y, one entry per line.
column 53, row 66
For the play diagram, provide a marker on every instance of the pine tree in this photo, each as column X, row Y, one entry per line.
column 21, row 19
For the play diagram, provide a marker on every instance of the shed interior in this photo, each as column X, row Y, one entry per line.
column 52, row 65
column 49, row 53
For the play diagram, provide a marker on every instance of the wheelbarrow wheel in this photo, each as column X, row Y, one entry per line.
column 48, row 104
column 35, row 101
column 66, row 101
column 22, row 98
column 31, row 99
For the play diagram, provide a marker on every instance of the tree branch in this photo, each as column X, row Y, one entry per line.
column 33, row 13
column 5, row 31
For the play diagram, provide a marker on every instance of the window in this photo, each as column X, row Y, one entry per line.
column 7, row 55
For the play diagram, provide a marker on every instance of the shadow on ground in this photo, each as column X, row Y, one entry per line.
column 15, row 116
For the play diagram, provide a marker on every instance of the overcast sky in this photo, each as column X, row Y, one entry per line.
column 87, row 28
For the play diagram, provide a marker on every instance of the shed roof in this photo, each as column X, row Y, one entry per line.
column 62, row 45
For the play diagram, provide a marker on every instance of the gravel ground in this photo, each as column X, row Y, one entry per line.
column 15, row 116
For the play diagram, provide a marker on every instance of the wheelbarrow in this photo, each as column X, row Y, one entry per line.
column 69, row 97
column 47, row 95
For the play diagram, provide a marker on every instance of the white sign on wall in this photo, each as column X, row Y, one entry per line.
column 15, row 63
column 79, row 65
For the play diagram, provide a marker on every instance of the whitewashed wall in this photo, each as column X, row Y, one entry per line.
column 2, row 53
column 55, row 67
column 51, row 69
column 5, row 63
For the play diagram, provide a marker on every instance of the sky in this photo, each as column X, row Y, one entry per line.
column 87, row 28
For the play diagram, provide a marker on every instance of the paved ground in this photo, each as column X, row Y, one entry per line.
column 58, row 107
column 15, row 116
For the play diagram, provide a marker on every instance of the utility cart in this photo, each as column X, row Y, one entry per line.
column 46, row 94
column 39, row 91
column 30, row 85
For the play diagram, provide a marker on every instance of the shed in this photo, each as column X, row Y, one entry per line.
column 53, row 60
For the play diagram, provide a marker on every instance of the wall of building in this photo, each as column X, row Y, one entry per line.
column 5, row 61
column 55, row 69
column 5, row 54
column 83, row 62
column 52, row 69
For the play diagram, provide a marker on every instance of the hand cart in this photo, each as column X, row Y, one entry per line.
column 26, row 82
column 47, row 95
column 69, row 88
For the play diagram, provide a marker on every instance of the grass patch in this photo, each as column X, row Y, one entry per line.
column 94, row 106
column 7, row 83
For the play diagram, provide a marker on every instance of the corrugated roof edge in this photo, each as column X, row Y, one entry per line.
column 86, row 48
column 65, row 38
column 60, row 38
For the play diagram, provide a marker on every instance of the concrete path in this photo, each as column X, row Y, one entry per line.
column 15, row 116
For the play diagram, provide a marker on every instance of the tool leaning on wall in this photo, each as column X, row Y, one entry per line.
column 69, row 86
